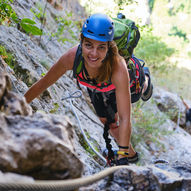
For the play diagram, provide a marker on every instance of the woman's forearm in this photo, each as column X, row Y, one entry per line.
column 124, row 133
column 55, row 72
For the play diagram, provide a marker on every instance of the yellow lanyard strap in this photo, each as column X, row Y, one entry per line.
column 122, row 153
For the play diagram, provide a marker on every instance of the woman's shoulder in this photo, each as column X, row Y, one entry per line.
column 68, row 57
column 71, row 53
column 120, row 70
column 120, row 65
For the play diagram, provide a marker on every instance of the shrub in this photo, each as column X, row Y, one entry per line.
column 8, row 57
column 8, row 17
column 153, row 51
column 147, row 126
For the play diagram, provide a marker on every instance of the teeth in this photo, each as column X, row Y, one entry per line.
column 93, row 59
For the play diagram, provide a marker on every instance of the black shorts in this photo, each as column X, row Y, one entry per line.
column 97, row 99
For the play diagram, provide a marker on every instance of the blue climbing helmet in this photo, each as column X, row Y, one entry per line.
column 98, row 27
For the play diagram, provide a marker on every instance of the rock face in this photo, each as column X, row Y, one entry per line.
column 148, row 178
column 51, row 146
column 172, row 105
column 38, row 145
column 10, row 102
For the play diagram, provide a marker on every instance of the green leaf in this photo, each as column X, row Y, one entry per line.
column 34, row 30
column 55, row 109
column 26, row 20
column 43, row 74
column 15, row 18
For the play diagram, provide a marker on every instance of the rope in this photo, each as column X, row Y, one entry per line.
column 59, row 185
column 110, row 115
column 110, row 156
column 78, row 94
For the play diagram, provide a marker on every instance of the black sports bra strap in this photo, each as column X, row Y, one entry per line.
column 77, row 60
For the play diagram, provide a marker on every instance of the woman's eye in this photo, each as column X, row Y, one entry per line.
column 102, row 47
column 88, row 45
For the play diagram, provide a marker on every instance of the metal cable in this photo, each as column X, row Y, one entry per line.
column 101, row 125
column 78, row 94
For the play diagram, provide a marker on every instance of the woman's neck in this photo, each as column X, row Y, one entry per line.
column 92, row 72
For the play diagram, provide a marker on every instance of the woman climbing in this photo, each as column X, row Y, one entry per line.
column 104, row 72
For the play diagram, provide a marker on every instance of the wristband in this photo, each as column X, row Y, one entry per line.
column 123, row 147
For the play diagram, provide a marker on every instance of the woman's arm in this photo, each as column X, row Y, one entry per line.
column 56, row 71
column 120, row 78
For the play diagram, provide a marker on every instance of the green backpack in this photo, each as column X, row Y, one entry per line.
column 126, row 35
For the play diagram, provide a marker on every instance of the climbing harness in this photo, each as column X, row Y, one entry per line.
column 78, row 94
column 80, row 73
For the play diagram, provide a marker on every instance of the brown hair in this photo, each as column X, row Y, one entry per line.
column 112, row 57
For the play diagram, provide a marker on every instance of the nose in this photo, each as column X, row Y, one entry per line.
column 94, row 52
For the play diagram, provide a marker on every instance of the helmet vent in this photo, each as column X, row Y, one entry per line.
column 90, row 31
column 101, row 34
column 98, row 27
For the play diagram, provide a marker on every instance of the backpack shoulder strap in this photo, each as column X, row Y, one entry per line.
column 136, row 73
column 77, row 60
column 126, row 36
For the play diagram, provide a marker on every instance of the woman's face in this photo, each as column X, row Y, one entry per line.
column 94, row 52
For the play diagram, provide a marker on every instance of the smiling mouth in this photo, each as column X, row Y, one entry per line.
column 93, row 59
